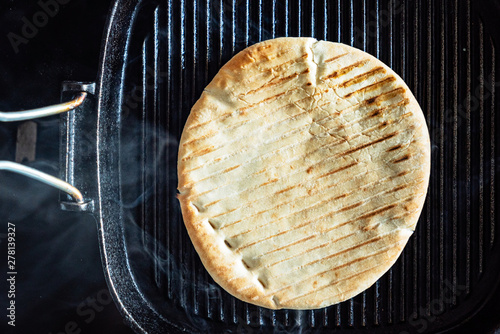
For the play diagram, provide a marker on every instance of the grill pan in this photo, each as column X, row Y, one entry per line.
column 120, row 149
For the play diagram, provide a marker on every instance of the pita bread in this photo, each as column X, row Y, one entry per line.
column 303, row 169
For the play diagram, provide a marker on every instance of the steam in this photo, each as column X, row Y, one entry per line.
column 149, row 182
column 164, row 263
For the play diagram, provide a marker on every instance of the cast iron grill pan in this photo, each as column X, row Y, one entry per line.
column 157, row 58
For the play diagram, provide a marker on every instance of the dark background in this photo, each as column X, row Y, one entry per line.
column 60, row 286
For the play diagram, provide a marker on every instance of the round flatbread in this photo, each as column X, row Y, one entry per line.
column 303, row 169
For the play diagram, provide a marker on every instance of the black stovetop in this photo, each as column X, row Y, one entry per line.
column 60, row 286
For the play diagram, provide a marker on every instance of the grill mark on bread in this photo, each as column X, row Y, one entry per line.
column 380, row 111
column 333, row 143
column 287, row 162
column 204, row 136
column 275, row 166
column 369, row 114
column 391, row 177
column 242, row 109
column 407, row 114
column 336, row 57
column 230, row 168
column 345, row 70
column 369, row 241
column 311, row 249
column 386, row 96
column 328, row 214
column 325, row 244
column 285, row 247
column 194, row 154
column 286, row 189
column 378, row 211
column 200, row 153
column 275, row 81
column 224, row 213
column 212, row 203
column 266, row 127
column 279, row 165
column 290, row 201
column 344, row 292
column 245, row 264
column 248, row 189
column 192, row 127
column 364, row 103
column 258, row 172
column 405, row 172
column 362, row 77
column 362, row 217
column 276, row 139
column 407, row 213
column 237, row 125
column 269, row 182
column 267, row 99
column 372, row 87
column 371, row 227
column 370, row 101
column 314, row 248
column 304, row 112
column 342, row 196
column 384, row 138
column 300, row 184
column 334, row 241
column 273, row 236
column 344, row 279
column 401, row 187
column 370, row 214
column 296, row 255
column 288, row 62
column 381, row 251
column 394, row 148
column 350, row 207
column 337, row 170
column 403, row 158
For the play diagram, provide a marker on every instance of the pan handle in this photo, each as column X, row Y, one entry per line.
column 78, row 203
column 14, row 116
column 42, row 177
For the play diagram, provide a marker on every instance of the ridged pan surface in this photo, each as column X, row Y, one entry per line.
column 448, row 56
